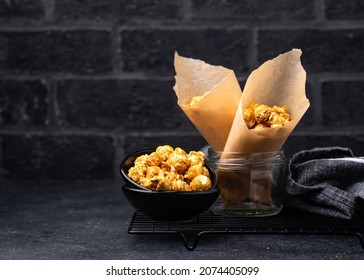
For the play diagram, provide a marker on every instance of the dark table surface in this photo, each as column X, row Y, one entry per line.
column 89, row 220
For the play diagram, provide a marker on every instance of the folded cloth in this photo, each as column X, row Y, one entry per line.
column 327, row 181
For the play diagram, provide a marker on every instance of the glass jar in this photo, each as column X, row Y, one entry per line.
column 251, row 184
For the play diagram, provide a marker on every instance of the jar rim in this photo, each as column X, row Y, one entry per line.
column 232, row 160
column 234, row 155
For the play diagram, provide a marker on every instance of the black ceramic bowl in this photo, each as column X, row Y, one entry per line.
column 125, row 166
column 170, row 206
column 167, row 205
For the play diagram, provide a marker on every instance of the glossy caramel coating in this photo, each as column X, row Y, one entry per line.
column 262, row 116
column 168, row 169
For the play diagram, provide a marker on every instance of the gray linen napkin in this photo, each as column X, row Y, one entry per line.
column 327, row 181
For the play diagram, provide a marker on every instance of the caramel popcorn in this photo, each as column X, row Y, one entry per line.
column 200, row 183
column 261, row 116
column 197, row 99
column 168, row 169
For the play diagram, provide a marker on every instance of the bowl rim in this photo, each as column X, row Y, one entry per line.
column 144, row 189
column 211, row 190
column 124, row 175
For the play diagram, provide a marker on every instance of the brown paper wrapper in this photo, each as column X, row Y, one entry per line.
column 213, row 115
column 280, row 81
column 219, row 114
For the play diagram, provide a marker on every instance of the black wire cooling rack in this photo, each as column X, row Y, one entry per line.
column 287, row 222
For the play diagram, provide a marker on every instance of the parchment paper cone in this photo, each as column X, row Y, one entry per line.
column 213, row 115
column 280, row 81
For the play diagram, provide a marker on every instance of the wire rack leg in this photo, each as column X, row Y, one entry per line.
column 190, row 240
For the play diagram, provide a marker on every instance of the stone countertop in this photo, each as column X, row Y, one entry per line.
column 89, row 220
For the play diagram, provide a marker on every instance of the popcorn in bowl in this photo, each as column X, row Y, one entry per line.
column 169, row 169
column 181, row 185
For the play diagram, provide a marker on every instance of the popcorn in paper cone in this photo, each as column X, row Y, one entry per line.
column 218, row 91
column 280, row 81
column 218, row 115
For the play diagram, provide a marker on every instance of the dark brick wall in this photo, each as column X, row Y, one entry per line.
column 83, row 83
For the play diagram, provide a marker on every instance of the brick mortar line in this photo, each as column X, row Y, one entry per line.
column 51, row 87
column 62, row 77
column 124, row 76
column 87, row 131
column 116, row 50
column 187, row 10
column 337, row 25
column 316, row 102
column 328, row 77
column 33, row 23
column 55, row 182
column 50, row 27
column 54, row 111
column 309, row 130
column 35, row 132
column 160, row 133
column 315, row 27
column 119, row 154
column 252, row 49
column 320, row 11
column 116, row 136
column 354, row 131
column 232, row 26
column 48, row 9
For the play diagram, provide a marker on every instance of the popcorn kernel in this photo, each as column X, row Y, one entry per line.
column 262, row 116
column 168, row 169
